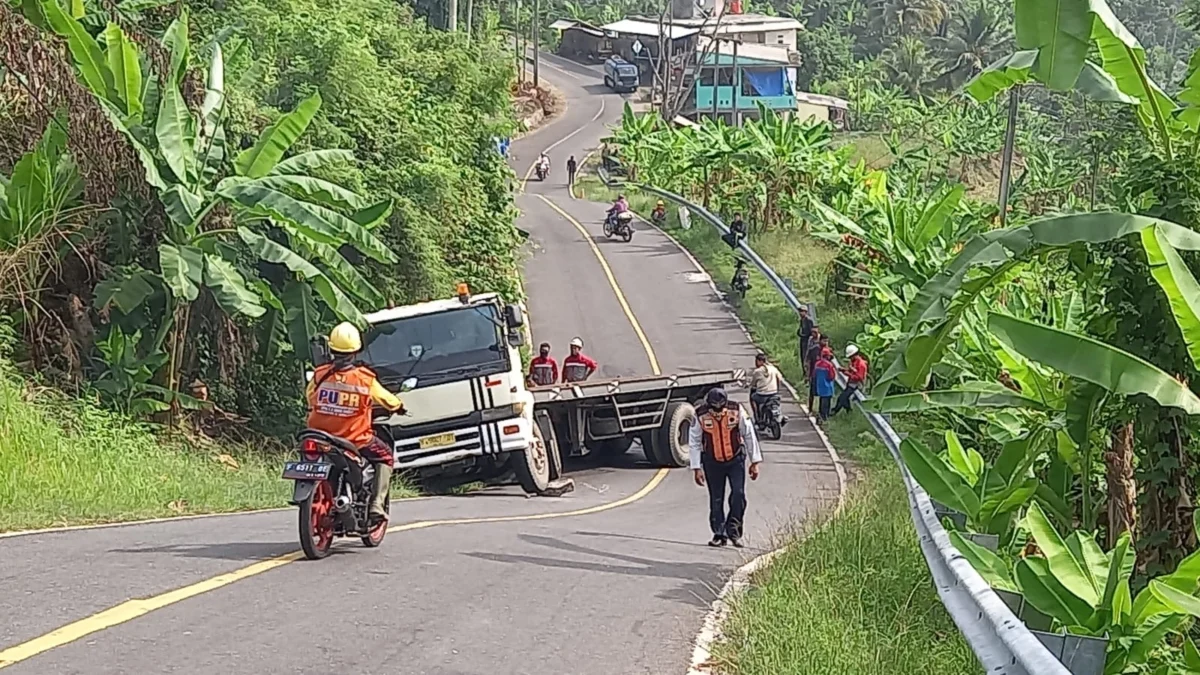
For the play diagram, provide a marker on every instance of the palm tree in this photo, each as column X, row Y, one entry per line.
column 908, row 64
column 902, row 18
column 977, row 36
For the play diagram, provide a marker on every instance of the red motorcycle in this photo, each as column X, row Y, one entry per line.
column 333, row 492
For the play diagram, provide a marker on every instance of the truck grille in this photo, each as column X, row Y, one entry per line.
column 485, row 438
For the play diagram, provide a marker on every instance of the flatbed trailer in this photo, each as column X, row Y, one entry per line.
column 606, row 416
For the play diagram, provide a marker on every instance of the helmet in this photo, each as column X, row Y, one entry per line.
column 827, row 353
column 577, row 342
column 660, row 203
column 345, row 339
column 851, row 350
column 716, row 397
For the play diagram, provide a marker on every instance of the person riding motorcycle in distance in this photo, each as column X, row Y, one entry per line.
column 578, row 367
column 619, row 206
column 341, row 396
column 764, row 383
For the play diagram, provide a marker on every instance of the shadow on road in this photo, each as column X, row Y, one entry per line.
column 240, row 551
column 700, row 581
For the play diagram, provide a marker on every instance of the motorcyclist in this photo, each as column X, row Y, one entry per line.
column 543, row 369
column 578, row 366
column 741, row 277
column 341, row 396
column 764, row 384
column 544, row 162
column 659, row 214
column 619, row 206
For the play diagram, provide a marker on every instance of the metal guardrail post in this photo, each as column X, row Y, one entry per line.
column 1001, row 642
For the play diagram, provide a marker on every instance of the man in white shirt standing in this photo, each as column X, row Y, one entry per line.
column 718, row 444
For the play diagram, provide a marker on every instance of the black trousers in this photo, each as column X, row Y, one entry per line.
column 716, row 474
column 845, row 399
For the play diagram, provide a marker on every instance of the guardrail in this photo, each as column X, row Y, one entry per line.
column 999, row 640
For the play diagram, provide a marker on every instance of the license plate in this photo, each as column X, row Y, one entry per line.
column 306, row 470
column 437, row 441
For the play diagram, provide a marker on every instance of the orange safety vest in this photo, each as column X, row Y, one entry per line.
column 722, row 437
column 341, row 403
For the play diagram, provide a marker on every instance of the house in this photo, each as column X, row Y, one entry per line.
column 581, row 41
column 779, row 31
column 735, row 78
column 825, row 108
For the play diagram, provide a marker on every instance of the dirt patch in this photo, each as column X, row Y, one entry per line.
column 536, row 106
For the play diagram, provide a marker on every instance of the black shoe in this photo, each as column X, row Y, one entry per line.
column 717, row 542
column 737, row 542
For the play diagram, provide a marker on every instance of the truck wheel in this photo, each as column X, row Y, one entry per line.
column 613, row 447
column 668, row 443
column 532, row 465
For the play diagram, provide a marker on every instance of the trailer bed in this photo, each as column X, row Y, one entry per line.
column 602, row 389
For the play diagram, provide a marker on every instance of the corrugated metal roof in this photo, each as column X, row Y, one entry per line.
column 648, row 28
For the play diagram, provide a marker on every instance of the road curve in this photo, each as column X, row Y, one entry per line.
column 611, row 579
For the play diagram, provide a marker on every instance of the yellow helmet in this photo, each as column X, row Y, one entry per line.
column 660, row 203
column 345, row 339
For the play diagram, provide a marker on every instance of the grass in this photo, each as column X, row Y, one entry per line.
column 65, row 461
column 852, row 594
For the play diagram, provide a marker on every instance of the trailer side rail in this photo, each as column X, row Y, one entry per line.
column 603, row 389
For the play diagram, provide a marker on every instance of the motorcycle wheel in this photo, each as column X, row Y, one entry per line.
column 608, row 230
column 375, row 534
column 775, row 429
column 316, row 522
column 627, row 235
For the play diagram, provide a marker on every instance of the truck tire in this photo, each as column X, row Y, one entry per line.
column 532, row 465
column 668, row 443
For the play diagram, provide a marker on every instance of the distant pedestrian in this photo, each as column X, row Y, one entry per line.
column 816, row 344
column 856, row 377
column 824, row 375
column 804, row 333
column 571, row 167
column 718, row 443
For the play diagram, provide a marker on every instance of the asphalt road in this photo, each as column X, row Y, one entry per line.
column 612, row 579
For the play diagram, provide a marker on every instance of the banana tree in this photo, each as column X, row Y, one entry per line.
column 277, row 211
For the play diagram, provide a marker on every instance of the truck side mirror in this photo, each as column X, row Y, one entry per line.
column 318, row 350
column 516, row 337
column 514, row 315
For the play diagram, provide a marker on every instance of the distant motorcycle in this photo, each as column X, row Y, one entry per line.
column 741, row 280
column 620, row 225
column 542, row 171
column 769, row 417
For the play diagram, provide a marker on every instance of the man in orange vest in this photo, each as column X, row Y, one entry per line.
column 718, row 443
column 341, row 396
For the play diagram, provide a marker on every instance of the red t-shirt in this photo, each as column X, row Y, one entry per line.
column 580, row 359
column 543, row 370
column 858, row 370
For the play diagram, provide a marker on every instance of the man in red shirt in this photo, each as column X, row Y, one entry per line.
column 543, row 369
column 577, row 367
column 856, row 376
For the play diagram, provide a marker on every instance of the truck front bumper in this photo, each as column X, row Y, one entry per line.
column 490, row 438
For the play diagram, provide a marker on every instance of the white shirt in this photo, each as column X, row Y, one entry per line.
column 696, row 446
column 765, row 379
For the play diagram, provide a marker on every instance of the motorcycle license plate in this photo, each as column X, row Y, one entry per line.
column 306, row 470
column 437, row 441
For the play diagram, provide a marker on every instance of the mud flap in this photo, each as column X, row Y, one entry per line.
column 304, row 490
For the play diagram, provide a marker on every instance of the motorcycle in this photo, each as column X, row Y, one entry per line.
column 769, row 417
column 619, row 224
column 741, row 280
column 542, row 171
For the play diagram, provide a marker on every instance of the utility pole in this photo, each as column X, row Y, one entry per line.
column 452, row 16
column 520, row 48
column 470, row 9
column 716, row 75
column 667, row 107
column 1010, row 136
column 536, row 25
column 737, row 84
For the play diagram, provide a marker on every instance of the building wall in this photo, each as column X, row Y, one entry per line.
column 808, row 110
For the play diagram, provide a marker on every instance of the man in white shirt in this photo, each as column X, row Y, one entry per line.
column 718, row 444
column 764, row 382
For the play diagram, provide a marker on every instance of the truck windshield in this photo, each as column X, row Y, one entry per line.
column 428, row 344
column 627, row 71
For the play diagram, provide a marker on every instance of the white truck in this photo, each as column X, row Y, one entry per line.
column 471, row 415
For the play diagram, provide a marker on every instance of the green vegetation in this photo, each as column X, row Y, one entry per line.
column 851, row 595
column 193, row 190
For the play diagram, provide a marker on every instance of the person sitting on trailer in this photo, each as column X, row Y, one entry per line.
column 543, row 369
column 578, row 366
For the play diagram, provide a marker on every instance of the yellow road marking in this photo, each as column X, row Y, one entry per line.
column 559, row 142
column 132, row 609
column 612, row 281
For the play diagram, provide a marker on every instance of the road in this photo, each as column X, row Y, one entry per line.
column 612, row 579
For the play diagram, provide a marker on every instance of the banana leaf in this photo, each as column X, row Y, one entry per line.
column 1060, row 31
column 1002, row 74
column 301, row 316
column 1123, row 57
column 176, row 133
column 1093, row 361
column 85, row 51
column 966, row 461
column 175, row 40
column 214, row 94
column 990, row 566
column 316, row 190
column 308, row 162
column 278, row 138
column 1068, row 569
column 938, row 478
column 126, row 70
column 968, row 395
column 330, row 293
column 149, row 163
column 182, row 269
column 1178, row 284
column 1045, row 593
column 230, row 289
